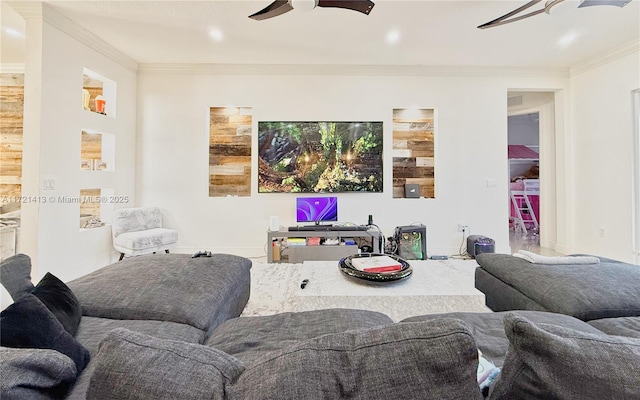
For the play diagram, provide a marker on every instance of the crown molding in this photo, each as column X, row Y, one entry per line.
column 31, row 10
column 362, row 70
column 612, row 55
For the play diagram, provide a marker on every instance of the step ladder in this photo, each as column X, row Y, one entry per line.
column 522, row 207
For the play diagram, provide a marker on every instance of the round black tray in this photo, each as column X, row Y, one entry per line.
column 347, row 269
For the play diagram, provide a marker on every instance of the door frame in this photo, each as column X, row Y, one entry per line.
column 635, row 209
column 547, row 155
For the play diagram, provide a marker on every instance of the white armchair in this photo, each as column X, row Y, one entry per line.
column 139, row 230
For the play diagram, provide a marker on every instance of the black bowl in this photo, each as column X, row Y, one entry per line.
column 348, row 269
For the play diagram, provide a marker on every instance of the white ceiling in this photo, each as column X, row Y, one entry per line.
column 431, row 33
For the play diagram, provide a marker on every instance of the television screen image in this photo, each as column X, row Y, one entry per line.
column 319, row 157
column 316, row 209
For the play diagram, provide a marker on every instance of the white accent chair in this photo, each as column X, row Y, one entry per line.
column 139, row 230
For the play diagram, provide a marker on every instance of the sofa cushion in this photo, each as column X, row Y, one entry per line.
column 201, row 292
column 623, row 326
column 247, row 338
column 488, row 328
column 420, row 360
column 60, row 300
column 593, row 291
column 160, row 369
column 15, row 275
column 546, row 361
column 27, row 323
column 92, row 330
column 34, row 374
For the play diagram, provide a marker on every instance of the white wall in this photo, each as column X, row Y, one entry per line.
column 603, row 136
column 471, row 140
column 51, row 233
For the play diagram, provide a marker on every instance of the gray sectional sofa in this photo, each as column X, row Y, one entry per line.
column 607, row 289
column 166, row 327
column 168, row 296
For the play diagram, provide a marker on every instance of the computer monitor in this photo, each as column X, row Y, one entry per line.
column 316, row 209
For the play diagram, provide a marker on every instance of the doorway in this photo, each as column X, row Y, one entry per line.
column 524, row 176
column 531, row 166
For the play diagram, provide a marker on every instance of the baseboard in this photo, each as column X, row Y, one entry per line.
column 549, row 245
column 563, row 249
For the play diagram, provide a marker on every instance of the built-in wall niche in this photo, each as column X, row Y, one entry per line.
column 96, row 207
column 97, row 151
column 414, row 152
column 98, row 93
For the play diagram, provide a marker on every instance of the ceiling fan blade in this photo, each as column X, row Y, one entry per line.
column 274, row 9
column 363, row 6
column 505, row 19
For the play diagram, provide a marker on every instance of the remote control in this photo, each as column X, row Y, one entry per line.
column 201, row 254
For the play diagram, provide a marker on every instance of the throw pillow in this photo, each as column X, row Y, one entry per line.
column 131, row 365
column 60, row 300
column 15, row 275
column 35, row 374
column 546, row 361
column 414, row 360
column 28, row 323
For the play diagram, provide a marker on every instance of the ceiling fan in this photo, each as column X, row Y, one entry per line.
column 548, row 7
column 279, row 7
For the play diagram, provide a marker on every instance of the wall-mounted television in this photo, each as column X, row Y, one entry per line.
column 316, row 209
column 319, row 157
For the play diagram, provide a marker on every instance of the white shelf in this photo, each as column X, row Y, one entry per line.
column 322, row 252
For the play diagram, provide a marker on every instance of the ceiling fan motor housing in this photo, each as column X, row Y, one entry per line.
column 303, row 5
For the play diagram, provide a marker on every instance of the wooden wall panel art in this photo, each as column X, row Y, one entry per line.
column 230, row 151
column 11, row 115
column 413, row 150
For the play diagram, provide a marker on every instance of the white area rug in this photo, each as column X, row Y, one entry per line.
column 435, row 287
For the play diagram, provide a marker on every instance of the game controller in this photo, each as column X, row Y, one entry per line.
column 201, row 254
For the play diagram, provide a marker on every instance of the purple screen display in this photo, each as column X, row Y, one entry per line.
column 316, row 209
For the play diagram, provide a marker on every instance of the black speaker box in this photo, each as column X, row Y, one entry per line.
column 477, row 244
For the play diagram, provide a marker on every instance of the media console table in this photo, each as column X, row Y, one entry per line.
column 298, row 254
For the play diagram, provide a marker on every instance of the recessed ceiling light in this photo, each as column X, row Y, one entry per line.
column 216, row 35
column 567, row 39
column 393, row 36
column 13, row 32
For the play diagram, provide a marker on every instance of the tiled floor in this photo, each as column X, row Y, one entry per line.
column 529, row 243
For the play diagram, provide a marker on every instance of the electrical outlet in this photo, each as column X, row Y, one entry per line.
column 49, row 184
column 462, row 227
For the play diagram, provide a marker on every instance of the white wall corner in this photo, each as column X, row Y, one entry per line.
column 29, row 10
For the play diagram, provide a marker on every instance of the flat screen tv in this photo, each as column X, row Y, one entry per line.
column 319, row 157
column 316, row 209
